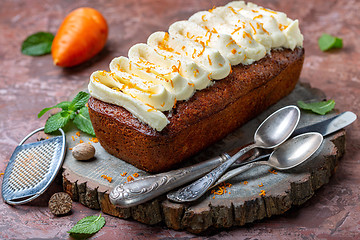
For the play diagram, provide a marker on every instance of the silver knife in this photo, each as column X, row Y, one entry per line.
column 146, row 188
column 325, row 128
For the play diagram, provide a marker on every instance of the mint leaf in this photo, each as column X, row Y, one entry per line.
column 318, row 107
column 37, row 44
column 327, row 42
column 63, row 105
column 79, row 101
column 83, row 122
column 75, row 110
column 57, row 121
column 88, row 225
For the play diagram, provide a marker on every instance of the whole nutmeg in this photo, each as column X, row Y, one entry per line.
column 60, row 203
column 83, row 151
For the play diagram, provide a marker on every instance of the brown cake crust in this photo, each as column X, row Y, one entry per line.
column 208, row 116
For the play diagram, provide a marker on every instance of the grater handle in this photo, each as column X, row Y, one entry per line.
column 30, row 134
column 35, row 131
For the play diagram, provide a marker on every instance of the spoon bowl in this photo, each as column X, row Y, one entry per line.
column 295, row 151
column 290, row 154
column 277, row 128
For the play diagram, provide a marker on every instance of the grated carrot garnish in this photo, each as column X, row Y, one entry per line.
column 258, row 16
column 123, row 174
column 214, row 30
column 188, row 36
column 136, row 175
column 235, row 30
column 221, row 189
column 203, row 49
column 196, row 72
column 282, row 27
column 130, row 178
column 209, row 60
column 262, row 193
column 272, row 171
column 231, row 42
column 94, row 140
column 253, row 28
column 267, row 10
column 262, row 26
column 107, row 178
column 193, row 53
column 246, row 34
column 232, row 9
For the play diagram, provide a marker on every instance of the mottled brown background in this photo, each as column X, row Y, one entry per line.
column 28, row 84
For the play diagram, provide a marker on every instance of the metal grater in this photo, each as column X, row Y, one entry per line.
column 32, row 168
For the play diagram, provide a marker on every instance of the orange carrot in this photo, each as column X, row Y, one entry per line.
column 81, row 36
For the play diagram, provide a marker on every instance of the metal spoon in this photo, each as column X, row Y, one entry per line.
column 288, row 155
column 272, row 132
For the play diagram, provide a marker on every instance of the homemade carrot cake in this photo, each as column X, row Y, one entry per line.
column 191, row 86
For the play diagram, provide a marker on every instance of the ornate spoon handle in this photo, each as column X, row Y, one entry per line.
column 242, row 168
column 196, row 189
column 144, row 189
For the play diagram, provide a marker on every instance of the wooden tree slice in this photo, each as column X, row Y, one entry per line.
column 241, row 203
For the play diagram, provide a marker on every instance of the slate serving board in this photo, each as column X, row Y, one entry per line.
column 241, row 204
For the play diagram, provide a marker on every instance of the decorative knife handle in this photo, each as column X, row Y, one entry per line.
column 196, row 189
column 146, row 188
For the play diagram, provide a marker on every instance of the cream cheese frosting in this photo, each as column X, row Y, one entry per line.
column 172, row 65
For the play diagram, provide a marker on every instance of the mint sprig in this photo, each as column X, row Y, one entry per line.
column 88, row 225
column 75, row 111
column 37, row 44
column 321, row 108
column 327, row 42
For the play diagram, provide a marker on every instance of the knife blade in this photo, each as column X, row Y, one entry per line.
column 328, row 126
column 325, row 128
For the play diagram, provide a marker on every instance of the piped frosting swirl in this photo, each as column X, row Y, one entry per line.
column 172, row 65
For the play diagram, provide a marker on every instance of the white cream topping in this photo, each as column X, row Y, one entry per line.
column 283, row 31
column 222, row 42
column 188, row 68
column 171, row 66
column 151, row 65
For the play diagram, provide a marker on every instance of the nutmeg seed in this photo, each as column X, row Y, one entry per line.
column 83, row 151
column 60, row 203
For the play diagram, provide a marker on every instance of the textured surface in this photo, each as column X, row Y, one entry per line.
column 28, row 84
